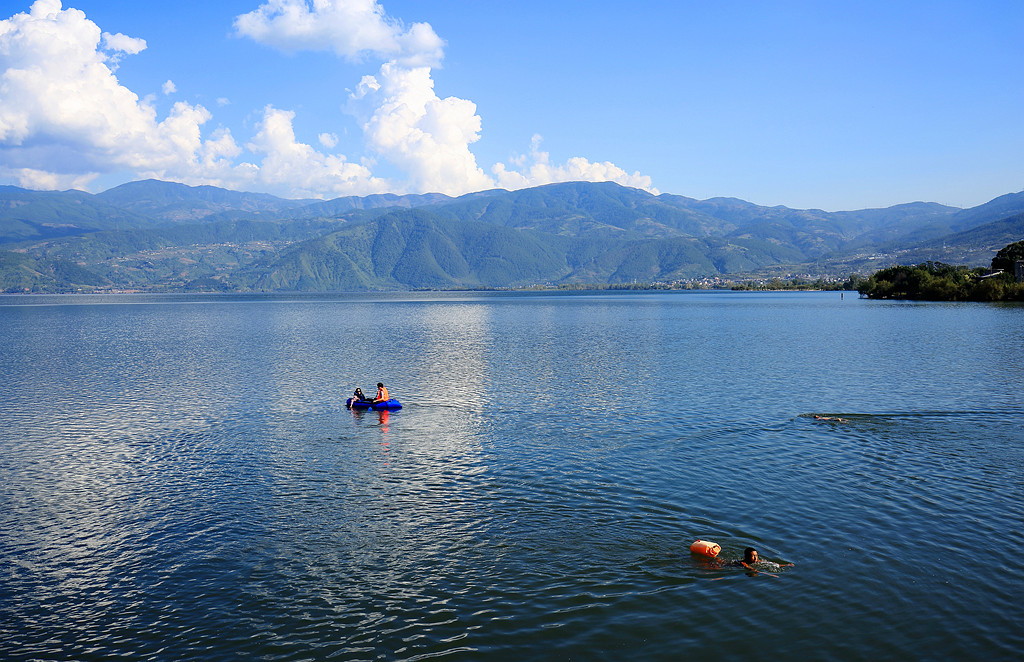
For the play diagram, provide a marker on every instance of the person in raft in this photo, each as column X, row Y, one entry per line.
column 382, row 393
column 358, row 396
column 750, row 557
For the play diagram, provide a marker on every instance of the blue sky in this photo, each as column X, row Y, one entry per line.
column 805, row 104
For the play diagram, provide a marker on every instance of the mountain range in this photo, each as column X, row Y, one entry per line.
column 162, row 236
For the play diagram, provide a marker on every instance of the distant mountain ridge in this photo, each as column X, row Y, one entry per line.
column 161, row 235
column 173, row 202
column 26, row 215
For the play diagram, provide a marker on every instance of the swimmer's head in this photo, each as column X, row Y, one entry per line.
column 750, row 555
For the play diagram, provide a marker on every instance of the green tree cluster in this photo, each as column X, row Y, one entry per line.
column 935, row 281
column 1007, row 255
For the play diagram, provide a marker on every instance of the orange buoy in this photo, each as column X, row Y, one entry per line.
column 705, row 548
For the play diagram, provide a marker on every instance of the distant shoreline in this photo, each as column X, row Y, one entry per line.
column 744, row 285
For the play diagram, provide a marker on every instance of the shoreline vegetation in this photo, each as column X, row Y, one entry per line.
column 936, row 281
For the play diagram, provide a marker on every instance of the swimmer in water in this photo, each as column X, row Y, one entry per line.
column 829, row 418
column 750, row 558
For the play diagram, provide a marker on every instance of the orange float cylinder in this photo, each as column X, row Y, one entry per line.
column 705, row 548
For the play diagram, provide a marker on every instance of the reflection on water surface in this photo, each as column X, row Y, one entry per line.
column 183, row 481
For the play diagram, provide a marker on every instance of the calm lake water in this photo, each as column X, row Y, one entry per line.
column 180, row 479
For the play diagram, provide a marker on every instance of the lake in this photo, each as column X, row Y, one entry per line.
column 180, row 478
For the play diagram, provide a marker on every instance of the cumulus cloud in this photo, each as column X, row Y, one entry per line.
column 302, row 170
column 537, row 170
column 44, row 180
column 350, row 28
column 64, row 118
column 121, row 43
column 405, row 122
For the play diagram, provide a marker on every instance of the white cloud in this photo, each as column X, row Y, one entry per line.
column 122, row 43
column 301, row 171
column 64, row 117
column 350, row 28
column 405, row 122
column 537, row 170
column 402, row 118
column 119, row 45
column 43, row 180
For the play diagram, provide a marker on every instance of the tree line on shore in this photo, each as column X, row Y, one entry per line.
column 936, row 281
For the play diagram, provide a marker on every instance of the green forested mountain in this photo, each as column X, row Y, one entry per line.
column 21, row 273
column 28, row 215
column 421, row 249
column 603, row 210
column 338, row 206
column 178, row 203
column 994, row 210
column 975, row 246
column 171, row 202
column 411, row 249
column 159, row 235
column 174, row 256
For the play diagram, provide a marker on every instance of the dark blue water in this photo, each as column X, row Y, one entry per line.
column 179, row 478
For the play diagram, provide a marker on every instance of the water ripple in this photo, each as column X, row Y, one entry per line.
column 181, row 481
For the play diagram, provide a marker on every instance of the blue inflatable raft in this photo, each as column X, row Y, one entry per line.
column 391, row 404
